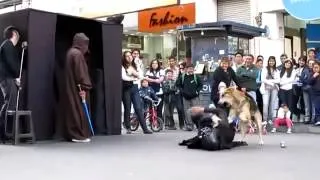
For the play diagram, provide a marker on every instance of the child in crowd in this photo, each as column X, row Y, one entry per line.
column 147, row 94
column 283, row 119
column 170, row 92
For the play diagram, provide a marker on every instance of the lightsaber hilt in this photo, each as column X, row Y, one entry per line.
column 82, row 98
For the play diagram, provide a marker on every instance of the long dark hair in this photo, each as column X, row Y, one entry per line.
column 289, row 71
column 274, row 67
column 159, row 65
column 125, row 63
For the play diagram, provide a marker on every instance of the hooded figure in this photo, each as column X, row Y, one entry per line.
column 75, row 73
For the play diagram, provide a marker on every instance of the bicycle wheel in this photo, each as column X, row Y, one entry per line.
column 134, row 123
column 156, row 125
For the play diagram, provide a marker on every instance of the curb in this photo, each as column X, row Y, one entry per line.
column 300, row 129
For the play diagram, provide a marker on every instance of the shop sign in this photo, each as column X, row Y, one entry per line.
column 158, row 20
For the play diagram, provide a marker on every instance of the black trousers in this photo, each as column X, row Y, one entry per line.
column 259, row 100
column 286, row 97
column 175, row 101
column 131, row 95
column 160, row 107
column 9, row 93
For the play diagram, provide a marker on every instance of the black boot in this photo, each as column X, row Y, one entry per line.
column 147, row 131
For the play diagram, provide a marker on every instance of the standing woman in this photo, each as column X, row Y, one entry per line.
column 130, row 92
column 270, row 79
column 155, row 77
column 315, row 92
column 287, row 78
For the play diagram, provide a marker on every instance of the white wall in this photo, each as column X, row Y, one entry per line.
column 273, row 45
column 269, row 47
column 71, row 7
column 206, row 11
column 270, row 5
column 130, row 21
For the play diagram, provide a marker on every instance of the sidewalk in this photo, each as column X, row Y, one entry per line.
column 302, row 128
column 299, row 128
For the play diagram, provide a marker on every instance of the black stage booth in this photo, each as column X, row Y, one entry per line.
column 49, row 35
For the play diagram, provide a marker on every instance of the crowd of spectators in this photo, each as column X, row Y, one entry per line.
column 294, row 84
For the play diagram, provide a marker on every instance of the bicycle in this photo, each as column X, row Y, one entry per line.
column 150, row 116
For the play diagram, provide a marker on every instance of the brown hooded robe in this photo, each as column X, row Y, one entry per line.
column 75, row 72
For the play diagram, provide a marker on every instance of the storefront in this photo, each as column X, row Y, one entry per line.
column 156, row 34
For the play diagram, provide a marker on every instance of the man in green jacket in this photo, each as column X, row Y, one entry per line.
column 247, row 75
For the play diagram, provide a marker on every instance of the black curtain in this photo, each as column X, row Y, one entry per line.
column 112, row 45
column 41, row 51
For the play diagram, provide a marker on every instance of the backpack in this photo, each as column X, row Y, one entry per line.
column 194, row 78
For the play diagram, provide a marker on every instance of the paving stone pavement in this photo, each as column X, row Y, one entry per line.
column 158, row 157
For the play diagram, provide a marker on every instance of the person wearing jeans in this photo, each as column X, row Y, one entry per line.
column 190, row 86
column 306, row 88
column 270, row 78
column 315, row 87
column 130, row 92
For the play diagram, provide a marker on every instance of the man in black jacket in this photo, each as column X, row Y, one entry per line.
column 9, row 72
column 189, row 85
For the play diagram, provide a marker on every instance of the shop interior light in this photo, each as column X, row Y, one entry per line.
column 202, row 33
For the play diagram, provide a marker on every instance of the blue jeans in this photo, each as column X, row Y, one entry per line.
column 253, row 95
column 270, row 104
column 316, row 103
column 307, row 104
column 131, row 95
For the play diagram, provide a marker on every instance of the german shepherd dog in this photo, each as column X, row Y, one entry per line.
column 243, row 106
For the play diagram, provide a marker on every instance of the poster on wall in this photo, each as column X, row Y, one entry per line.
column 232, row 44
column 208, row 48
column 244, row 45
column 132, row 42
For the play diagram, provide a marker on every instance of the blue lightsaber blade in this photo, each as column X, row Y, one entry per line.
column 85, row 107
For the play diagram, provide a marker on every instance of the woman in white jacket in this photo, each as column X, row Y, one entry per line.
column 287, row 79
column 270, row 79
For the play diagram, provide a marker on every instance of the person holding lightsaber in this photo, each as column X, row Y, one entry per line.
column 75, row 74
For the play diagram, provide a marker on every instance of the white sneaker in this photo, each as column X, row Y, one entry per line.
column 81, row 141
column 273, row 130
column 289, row 131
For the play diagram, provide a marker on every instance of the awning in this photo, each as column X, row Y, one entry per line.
column 229, row 26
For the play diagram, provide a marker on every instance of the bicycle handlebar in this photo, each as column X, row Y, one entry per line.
column 156, row 103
